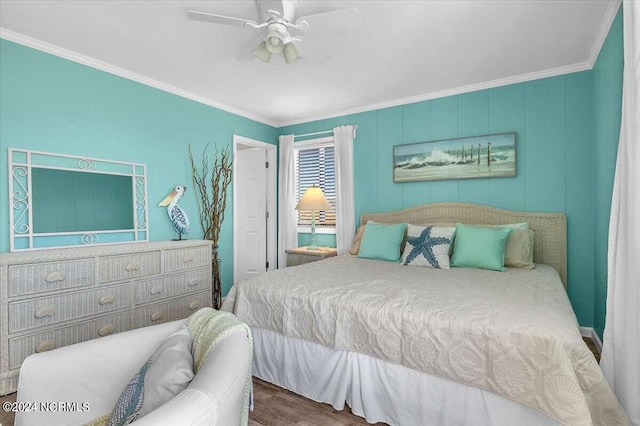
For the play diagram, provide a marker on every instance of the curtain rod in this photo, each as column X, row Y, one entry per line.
column 323, row 132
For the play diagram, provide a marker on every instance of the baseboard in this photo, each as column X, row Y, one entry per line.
column 590, row 332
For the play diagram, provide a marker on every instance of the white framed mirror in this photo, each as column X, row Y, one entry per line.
column 58, row 200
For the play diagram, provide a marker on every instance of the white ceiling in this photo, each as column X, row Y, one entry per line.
column 405, row 50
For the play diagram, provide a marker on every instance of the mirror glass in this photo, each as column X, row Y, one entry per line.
column 60, row 200
column 65, row 201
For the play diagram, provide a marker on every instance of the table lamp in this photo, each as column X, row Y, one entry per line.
column 313, row 199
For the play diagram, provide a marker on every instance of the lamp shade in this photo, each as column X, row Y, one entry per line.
column 262, row 52
column 313, row 199
column 290, row 52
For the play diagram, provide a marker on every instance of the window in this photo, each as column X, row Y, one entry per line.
column 315, row 165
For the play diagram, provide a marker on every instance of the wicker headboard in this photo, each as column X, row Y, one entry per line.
column 550, row 229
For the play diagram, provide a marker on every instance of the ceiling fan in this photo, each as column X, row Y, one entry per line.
column 280, row 20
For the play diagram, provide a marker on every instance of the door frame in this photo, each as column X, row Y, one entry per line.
column 272, row 239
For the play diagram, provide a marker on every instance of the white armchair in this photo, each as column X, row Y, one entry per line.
column 95, row 372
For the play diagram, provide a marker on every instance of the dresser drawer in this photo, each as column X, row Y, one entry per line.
column 171, row 285
column 170, row 311
column 22, row 347
column 185, row 258
column 35, row 278
column 42, row 311
column 118, row 268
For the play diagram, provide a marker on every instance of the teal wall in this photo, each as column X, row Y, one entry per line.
column 566, row 144
column 52, row 104
column 607, row 77
column 553, row 121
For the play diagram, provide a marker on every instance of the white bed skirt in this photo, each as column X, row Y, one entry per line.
column 380, row 391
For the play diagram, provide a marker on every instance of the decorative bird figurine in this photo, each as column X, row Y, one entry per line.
column 178, row 217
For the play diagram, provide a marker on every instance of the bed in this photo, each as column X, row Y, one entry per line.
column 417, row 346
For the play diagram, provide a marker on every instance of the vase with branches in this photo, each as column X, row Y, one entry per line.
column 211, row 182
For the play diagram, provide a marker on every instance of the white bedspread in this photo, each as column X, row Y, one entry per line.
column 512, row 333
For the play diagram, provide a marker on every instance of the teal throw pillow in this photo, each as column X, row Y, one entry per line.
column 478, row 247
column 382, row 241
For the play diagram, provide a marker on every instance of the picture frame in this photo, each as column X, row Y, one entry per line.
column 475, row 157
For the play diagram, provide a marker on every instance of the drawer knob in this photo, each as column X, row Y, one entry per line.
column 47, row 311
column 194, row 305
column 157, row 315
column 106, row 299
column 105, row 330
column 54, row 276
column 188, row 258
column 131, row 266
column 45, row 345
column 155, row 290
column 194, row 281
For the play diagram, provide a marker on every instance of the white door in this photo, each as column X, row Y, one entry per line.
column 251, row 215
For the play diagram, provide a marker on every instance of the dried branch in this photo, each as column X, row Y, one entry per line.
column 211, row 194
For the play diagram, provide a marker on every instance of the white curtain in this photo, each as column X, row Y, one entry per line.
column 621, row 347
column 345, row 214
column 287, row 222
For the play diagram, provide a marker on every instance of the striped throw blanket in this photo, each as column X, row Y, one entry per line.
column 207, row 327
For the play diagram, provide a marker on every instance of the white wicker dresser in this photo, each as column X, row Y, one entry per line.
column 53, row 298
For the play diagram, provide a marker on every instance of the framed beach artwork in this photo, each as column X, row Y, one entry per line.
column 462, row 158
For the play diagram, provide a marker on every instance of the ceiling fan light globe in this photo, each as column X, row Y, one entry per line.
column 262, row 52
column 290, row 53
column 274, row 44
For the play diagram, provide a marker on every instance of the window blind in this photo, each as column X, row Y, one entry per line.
column 317, row 166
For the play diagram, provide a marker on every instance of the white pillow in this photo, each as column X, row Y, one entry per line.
column 170, row 372
column 427, row 246
column 165, row 374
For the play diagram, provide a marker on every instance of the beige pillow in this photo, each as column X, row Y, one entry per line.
column 519, row 249
column 518, row 252
column 356, row 241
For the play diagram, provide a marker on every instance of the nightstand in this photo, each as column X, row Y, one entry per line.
column 301, row 255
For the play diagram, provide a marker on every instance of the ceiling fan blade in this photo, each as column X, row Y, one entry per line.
column 310, row 52
column 344, row 19
column 219, row 19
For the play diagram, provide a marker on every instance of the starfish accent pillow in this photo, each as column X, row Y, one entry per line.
column 428, row 246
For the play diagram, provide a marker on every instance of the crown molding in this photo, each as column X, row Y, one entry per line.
column 568, row 69
column 120, row 72
column 605, row 26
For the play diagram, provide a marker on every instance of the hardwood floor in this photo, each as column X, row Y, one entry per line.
column 593, row 348
column 275, row 406
column 7, row 419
